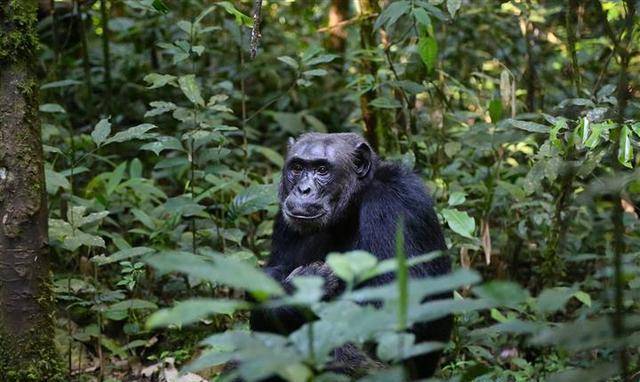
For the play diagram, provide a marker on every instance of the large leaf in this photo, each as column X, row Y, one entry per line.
column 123, row 254
column 217, row 269
column 191, row 89
column 453, row 6
column 135, row 132
column 156, row 80
column 460, row 222
column 428, row 50
column 193, row 310
column 101, row 131
column 625, row 150
column 392, row 13
column 529, row 126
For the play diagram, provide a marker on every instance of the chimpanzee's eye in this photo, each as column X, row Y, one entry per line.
column 296, row 168
column 322, row 170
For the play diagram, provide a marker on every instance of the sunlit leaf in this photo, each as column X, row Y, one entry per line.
column 101, row 131
column 193, row 310
column 428, row 50
column 191, row 89
column 460, row 222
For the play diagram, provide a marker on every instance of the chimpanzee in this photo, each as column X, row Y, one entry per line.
column 336, row 195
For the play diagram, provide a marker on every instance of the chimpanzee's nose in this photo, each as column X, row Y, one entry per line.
column 304, row 189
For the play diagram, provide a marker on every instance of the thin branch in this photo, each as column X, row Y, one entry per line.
column 345, row 23
column 255, row 30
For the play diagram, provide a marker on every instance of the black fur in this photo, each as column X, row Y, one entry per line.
column 388, row 193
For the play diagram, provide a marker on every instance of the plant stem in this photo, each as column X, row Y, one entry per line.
column 85, row 58
column 571, row 42
column 105, row 52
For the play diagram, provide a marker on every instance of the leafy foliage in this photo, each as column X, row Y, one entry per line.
column 522, row 118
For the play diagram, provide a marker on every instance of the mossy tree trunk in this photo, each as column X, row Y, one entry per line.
column 377, row 122
column 370, row 115
column 27, row 351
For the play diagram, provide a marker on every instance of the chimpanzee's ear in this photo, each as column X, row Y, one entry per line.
column 362, row 159
column 290, row 143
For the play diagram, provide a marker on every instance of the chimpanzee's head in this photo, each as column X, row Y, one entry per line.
column 322, row 176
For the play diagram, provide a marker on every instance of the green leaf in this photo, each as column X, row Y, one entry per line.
column 143, row 218
column 123, row 254
column 495, row 110
column 218, row 269
column 160, row 107
column 241, row 18
column 386, row 103
column 583, row 297
column 160, row 6
column 529, row 126
column 272, row 155
column 60, row 84
column 558, row 126
column 352, row 265
column 456, row 198
column 315, row 73
column 289, row 61
column 120, row 310
column 156, row 80
column 460, row 222
column 133, row 304
column 502, row 292
column 135, row 132
column 115, row 177
column 254, row 198
column 190, row 88
column 391, row 14
column 422, row 17
column 453, row 6
column 52, row 108
column 553, row 299
column 101, row 131
column 163, row 143
column 93, row 218
column 625, row 151
column 322, row 59
column 55, row 181
column 428, row 50
column 193, row 310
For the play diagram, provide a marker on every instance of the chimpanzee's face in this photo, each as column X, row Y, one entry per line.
column 321, row 175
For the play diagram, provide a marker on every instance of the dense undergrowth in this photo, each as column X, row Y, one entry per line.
column 164, row 143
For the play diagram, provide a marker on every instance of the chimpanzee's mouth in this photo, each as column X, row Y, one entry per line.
column 304, row 217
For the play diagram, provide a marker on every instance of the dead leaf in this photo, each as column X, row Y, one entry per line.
column 486, row 241
column 628, row 207
column 465, row 261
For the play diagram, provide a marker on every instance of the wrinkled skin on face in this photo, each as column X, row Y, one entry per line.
column 323, row 174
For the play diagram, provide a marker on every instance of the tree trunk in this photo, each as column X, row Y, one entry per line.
column 338, row 14
column 27, row 351
column 370, row 116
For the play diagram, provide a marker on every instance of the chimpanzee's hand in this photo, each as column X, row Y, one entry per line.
column 332, row 284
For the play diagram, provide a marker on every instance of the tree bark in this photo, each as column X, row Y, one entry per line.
column 368, row 41
column 338, row 13
column 27, row 351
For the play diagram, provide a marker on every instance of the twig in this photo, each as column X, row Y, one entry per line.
column 270, row 102
column 347, row 22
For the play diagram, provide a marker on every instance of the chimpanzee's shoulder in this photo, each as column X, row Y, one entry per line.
column 395, row 182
